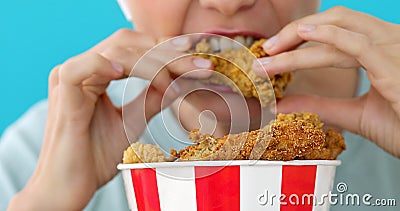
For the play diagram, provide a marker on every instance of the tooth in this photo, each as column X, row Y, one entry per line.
column 224, row 44
column 214, row 44
column 239, row 39
column 249, row 41
column 236, row 45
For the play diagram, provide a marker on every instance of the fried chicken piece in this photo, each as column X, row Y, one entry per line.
column 334, row 145
column 293, row 137
column 143, row 153
column 289, row 137
column 247, row 82
column 227, row 148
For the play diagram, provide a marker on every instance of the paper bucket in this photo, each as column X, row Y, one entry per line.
column 243, row 185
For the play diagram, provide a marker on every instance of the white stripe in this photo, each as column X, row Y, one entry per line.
column 323, row 184
column 177, row 188
column 125, row 9
column 260, row 187
column 130, row 194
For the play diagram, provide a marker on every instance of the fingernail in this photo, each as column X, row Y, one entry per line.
column 180, row 41
column 259, row 66
column 176, row 88
column 306, row 27
column 117, row 67
column 260, row 72
column 202, row 63
column 270, row 42
column 265, row 60
column 273, row 110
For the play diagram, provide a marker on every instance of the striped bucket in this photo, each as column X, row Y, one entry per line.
column 243, row 185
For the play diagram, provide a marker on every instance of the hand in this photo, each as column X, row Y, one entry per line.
column 348, row 39
column 85, row 136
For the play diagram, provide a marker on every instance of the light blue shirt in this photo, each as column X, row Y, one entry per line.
column 365, row 167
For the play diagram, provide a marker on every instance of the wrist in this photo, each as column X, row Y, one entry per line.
column 40, row 197
column 24, row 200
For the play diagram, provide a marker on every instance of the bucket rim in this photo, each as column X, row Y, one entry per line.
column 229, row 163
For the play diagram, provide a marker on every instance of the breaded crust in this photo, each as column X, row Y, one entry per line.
column 143, row 153
column 296, row 136
column 289, row 137
column 236, row 65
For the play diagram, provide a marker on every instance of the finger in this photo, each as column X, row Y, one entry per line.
column 354, row 44
column 75, row 70
column 187, row 67
column 126, row 38
column 135, row 65
column 53, row 91
column 176, row 62
column 157, row 64
column 343, row 113
column 82, row 68
column 179, row 43
column 53, row 77
column 130, row 38
column 342, row 17
column 301, row 59
column 191, row 67
column 51, row 117
column 127, row 47
column 173, row 54
column 52, row 95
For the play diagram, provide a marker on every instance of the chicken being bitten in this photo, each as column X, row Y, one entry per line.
column 236, row 65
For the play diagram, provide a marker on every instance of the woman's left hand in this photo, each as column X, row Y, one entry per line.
column 347, row 39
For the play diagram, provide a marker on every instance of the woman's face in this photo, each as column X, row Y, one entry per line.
column 261, row 18
column 175, row 17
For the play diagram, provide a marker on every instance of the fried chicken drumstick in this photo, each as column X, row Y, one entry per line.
column 236, row 65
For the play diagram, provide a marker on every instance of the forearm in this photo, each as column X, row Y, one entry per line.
column 26, row 201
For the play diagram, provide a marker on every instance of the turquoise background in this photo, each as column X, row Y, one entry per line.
column 37, row 35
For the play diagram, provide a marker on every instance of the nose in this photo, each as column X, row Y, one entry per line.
column 227, row 7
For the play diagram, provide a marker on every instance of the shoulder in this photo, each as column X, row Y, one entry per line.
column 29, row 127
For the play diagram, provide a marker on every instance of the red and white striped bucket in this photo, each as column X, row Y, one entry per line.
column 243, row 185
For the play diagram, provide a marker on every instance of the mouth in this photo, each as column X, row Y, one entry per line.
column 218, row 41
column 230, row 45
column 232, row 64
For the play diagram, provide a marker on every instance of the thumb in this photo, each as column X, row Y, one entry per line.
column 343, row 113
column 137, row 113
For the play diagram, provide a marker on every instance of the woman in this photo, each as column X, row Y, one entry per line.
column 84, row 136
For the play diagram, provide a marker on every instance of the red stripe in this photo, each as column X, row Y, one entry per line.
column 146, row 191
column 218, row 188
column 298, row 181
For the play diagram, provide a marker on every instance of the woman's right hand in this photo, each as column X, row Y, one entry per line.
column 85, row 134
column 347, row 40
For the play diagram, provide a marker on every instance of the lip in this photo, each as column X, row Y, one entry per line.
column 232, row 33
